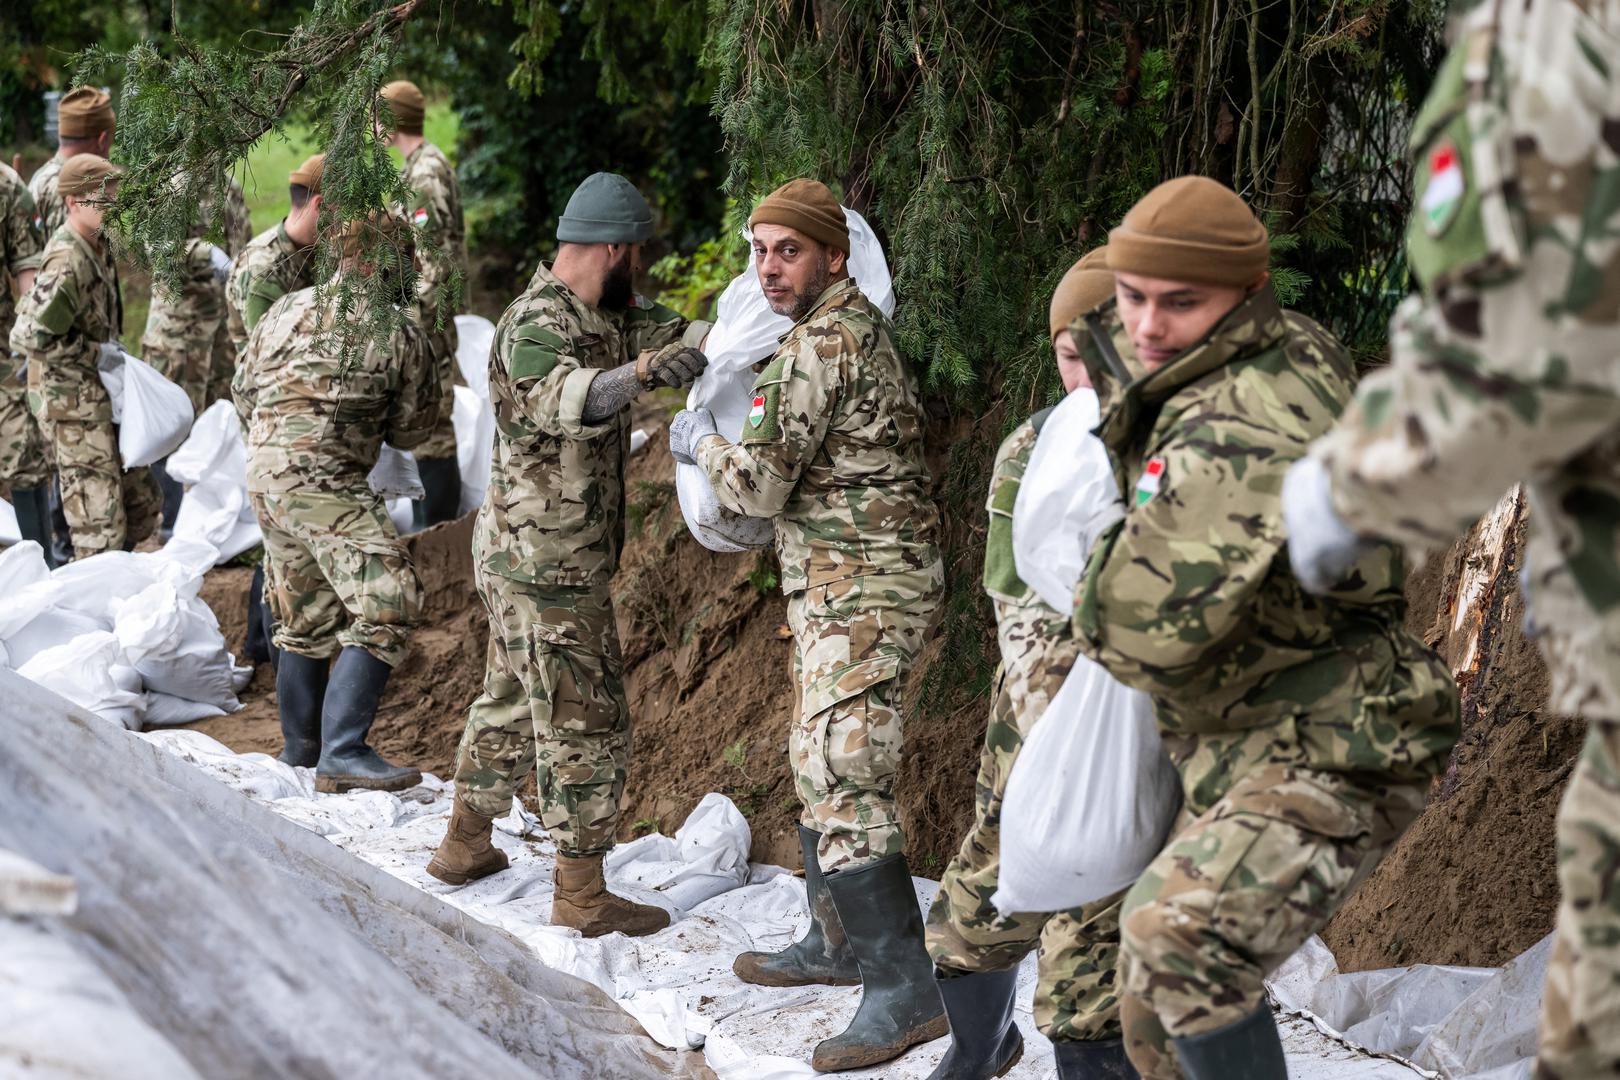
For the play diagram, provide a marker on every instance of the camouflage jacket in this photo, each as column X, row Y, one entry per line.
column 435, row 211
column 20, row 247
column 42, row 186
column 553, row 513
column 315, row 420
column 1191, row 598
column 268, row 268
column 73, row 307
column 1036, row 644
column 833, row 450
column 191, row 312
column 1505, row 367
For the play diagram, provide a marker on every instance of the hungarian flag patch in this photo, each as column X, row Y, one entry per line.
column 1443, row 195
column 1152, row 477
column 420, row 218
column 756, row 415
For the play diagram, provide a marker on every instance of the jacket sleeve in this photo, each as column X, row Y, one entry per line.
column 1505, row 365
column 431, row 212
column 414, row 410
column 653, row 326
column 1175, row 583
column 22, row 242
column 548, row 379
column 792, row 407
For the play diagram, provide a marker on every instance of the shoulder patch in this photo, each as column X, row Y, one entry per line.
column 58, row 307
column 764, row 422
column 534, row 353
column 1152, row 477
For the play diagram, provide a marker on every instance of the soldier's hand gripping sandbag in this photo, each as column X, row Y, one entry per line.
column 674, row 365
column 690, row 427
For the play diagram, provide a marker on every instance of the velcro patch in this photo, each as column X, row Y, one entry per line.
column 1152, row 478
column 55, row 315
column 535, row 352
column 764, row 422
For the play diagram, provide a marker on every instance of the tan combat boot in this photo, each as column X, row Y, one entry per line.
column 583, row 902
column 466, row 854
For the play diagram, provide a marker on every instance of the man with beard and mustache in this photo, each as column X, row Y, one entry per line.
column 833, row 452
column 570, row 355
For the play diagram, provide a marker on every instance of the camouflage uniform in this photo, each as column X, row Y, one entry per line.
column 1505, row 369
column 47, row 200
column 547, row 543
column 436, row 212
column 22, row 452
column 1075, row 998
column 269, row 267
column 74, row 306
column 833, row 452
column 185, row 336
column 336, row 572
column 1305, row 729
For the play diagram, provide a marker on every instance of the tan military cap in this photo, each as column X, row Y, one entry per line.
column 407, row 104
column 1088, row 283
column 309, row 173
column 86, row 174
column 83, row 113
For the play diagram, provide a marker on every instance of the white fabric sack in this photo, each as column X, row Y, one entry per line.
column 475, row 337
column 86, row 671
column 1067, row 497
column 212, row 462
column 175, row 644
column 154, row 416
column 47, row 629
column 166, row 710
column 746, row 331
column 474, row 422
column 395, row 475
column 402, row 514
column 1090, row 799
column 10, row 530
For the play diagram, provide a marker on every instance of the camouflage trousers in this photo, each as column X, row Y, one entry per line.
column 1580, row 1007
column 854, row 641
column 1075, row 997
column 336, row 574
column 553, row 697
column 180, row 340
column 22, row 449
column 108, row 508
column 442, row 443
column 221, row 367
column 1237, row 890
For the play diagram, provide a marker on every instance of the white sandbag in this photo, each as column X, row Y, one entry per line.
column 401, row 513
column 746, row 331
column 86, row 671
column 395, row 476
column 475, row 336
column 51, row 627
column 1067, row 496
column 21, row 565
column 10, row 530
column 155, row 415
column 209, row 445
column 166, row 710
column 212, row 462
column 175, row 644
column 474, row 422
column 1090, row 799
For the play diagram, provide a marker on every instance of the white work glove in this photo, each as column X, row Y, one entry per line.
column 220, row 261
column 109, row 356
column 1321, row 547
column 690, row 427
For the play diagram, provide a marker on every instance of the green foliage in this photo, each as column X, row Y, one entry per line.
column 763, row 577
column 692, row 283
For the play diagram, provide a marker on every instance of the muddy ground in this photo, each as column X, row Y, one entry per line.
column 707, row 655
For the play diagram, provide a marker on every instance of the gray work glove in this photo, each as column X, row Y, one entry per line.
column 1321, row 547
column 690, row 427
column 673, row 365
column 109, row 356
column 220, row 261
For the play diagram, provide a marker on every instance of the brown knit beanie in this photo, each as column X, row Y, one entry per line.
column 1191, row 229
column 407, row 105
column 309, row 173
column 86, row 174
column 808, row 206
column 83, row 113
column 1088, row 283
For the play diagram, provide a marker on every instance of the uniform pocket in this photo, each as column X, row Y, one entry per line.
column 585, row 691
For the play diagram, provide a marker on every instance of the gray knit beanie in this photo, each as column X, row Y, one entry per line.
column 605, row 209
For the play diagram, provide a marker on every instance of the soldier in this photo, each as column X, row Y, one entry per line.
column 1503, row 369
column 337, row 577
column 23, row 468
column 1305, row 730
column 833, row 452
column 570, row 355
column 185, row 328
column 84, row 125
column 279, row 260
column 69, row 329
column 435, row 211
column 976, row 950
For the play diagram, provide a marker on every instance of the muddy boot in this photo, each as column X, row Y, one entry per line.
column 441, row 485
column 347, row 763
column 984, row 1040
column 173, row 492
column 466, row 854
column 582, row 901
column 1101, row 1060
column 33, row 517
column 900, row 1006
column 1250, row 1048
column 822, row 955
column 61, row 531
column 300, row 689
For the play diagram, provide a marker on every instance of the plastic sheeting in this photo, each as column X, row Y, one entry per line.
column 215, row 938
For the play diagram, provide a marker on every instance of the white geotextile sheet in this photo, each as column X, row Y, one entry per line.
column 248, row 945
column 678, row 982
